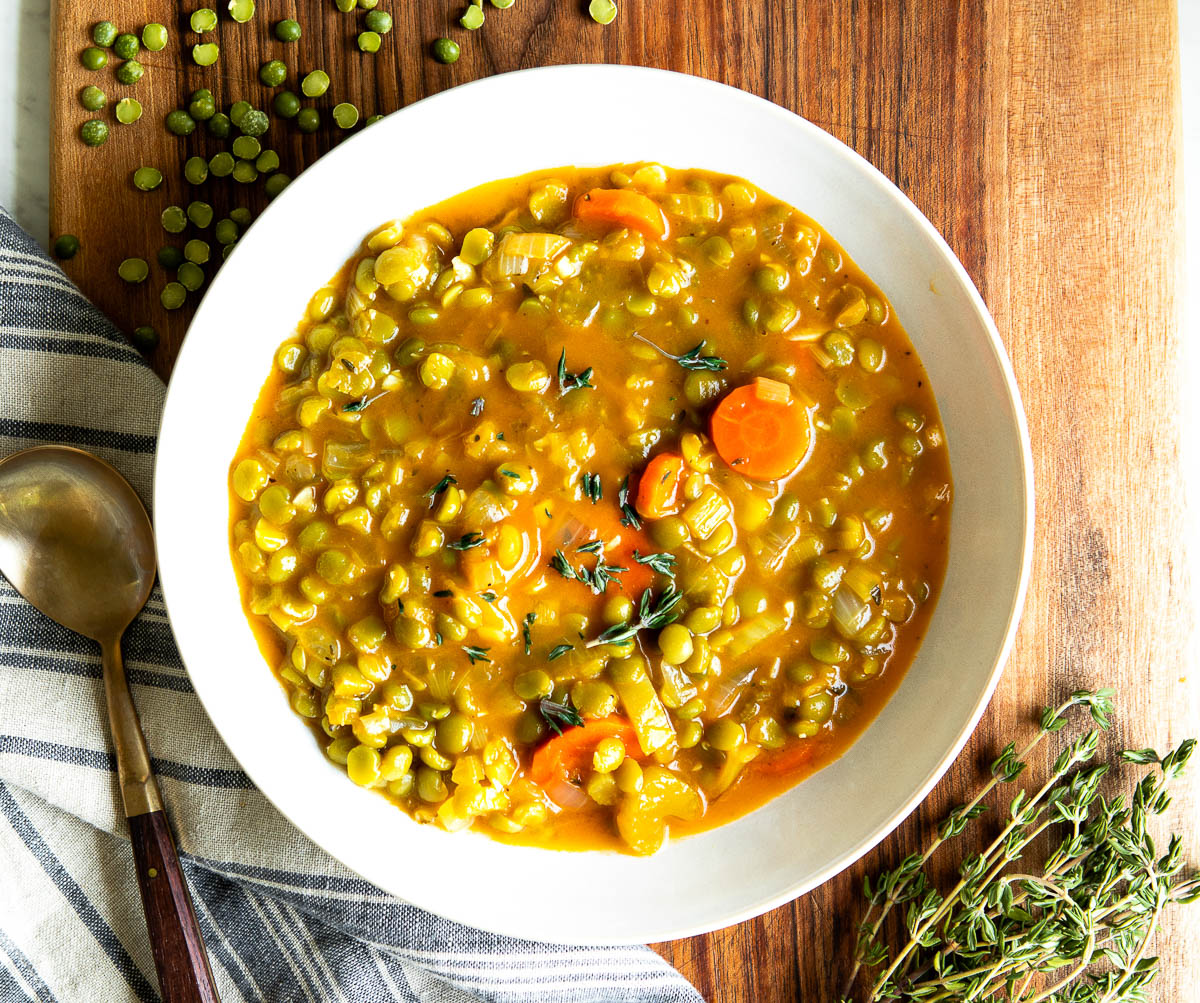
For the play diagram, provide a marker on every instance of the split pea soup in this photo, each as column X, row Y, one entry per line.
column 592, row 505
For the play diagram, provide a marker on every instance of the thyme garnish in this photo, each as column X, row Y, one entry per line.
column 439, row 487
column 664, row 564
column 559, row 715
column 596, row 578
column 467, row 541
column 527, row 623
column 653, row 614
column 628, row 516
column 690, row 360
column 560, row 564
column 362, row 402
column 1072, row 927
column 476, row 654
column 592, row 489
column 573, row 381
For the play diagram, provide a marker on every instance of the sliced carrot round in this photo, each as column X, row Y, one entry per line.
column 623, row 207
column 571, row 752
column 761, row 430
column 658, row 489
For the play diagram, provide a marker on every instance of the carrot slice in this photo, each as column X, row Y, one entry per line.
column 658, row 489
column 571, row 752
column 626, row 208
column 789, row 759
column 761, row 431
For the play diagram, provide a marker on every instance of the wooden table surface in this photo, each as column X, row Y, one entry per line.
column 1041, row 138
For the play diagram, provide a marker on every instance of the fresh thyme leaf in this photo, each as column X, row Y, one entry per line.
column 559, row 715
column 488, row 596
column 476, row 654
column 653, row 614
column 596, row 578
column 362, row 402
column 476, row 407
column 510, row 473
column 528, row 622
column 467, row 541
column 348, row 365
column 439, row 487
column 592, row 489
column 560, row 564
column 1070, row 926
column 628, row 516
column 691, row 360
column 572, row 381
column 438, row 638
column 664, row 564
column 599, row 577
column 558, row 651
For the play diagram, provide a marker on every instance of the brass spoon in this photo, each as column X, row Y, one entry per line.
column 76, row 542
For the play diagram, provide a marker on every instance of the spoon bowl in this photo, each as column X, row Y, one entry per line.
column 75, row 540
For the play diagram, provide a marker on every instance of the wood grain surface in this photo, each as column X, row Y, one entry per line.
column 1042, row 139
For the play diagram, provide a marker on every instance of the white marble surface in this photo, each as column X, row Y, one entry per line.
column 25, row 113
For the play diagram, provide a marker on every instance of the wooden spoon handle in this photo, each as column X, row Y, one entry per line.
column 179, row 955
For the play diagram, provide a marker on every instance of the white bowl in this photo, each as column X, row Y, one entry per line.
column 594, row 115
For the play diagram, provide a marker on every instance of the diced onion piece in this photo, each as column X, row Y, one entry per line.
column 776, row 544
column 753, row 632
column 517, row 250
column 344, row 459
column 726, row 691
column 485, row 506
column 693, row 208
column 849, row 612
column 565, row 794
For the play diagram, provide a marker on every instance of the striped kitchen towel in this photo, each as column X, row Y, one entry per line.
column 283, row 921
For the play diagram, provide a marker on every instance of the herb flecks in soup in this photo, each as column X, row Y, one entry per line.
column 591, row 504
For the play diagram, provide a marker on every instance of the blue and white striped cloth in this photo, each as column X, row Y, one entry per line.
column 283, row 921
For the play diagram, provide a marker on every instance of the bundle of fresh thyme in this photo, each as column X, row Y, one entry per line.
column 1074, row 929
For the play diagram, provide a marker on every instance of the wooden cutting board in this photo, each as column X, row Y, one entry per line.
column 1042, row 139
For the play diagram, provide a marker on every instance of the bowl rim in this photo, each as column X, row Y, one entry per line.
column 563, row 76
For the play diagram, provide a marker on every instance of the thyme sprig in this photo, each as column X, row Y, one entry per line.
column 596, row 578
column 439, row 487
column 663, row 563
column 559, row 715
column 476, row 653
column 468, row 541
column 653, row 614
column 593, row 490
column 528, row 622
column 362, row 402
column 690, row 360
column 1074, row 929
column 573, row 381
column 629, row 517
